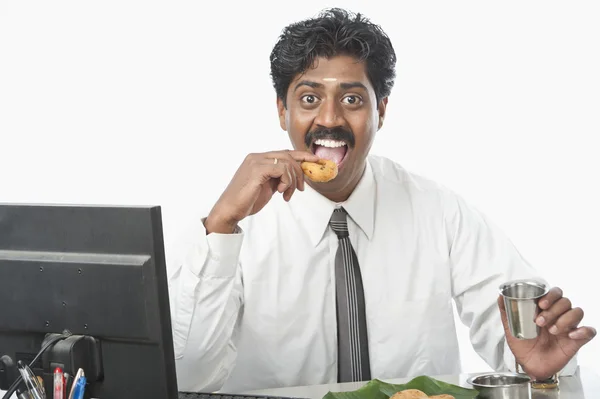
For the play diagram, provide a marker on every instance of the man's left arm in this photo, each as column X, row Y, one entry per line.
column 482, row 258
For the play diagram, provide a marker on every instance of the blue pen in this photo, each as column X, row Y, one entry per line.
column 79, row 388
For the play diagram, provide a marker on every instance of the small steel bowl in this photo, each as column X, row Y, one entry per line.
column 502, row 386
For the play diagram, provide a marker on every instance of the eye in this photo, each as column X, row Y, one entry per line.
column 352, row 100
column 309, row 99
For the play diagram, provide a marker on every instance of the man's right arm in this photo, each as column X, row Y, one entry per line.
column 205, row 287
column 206, row 294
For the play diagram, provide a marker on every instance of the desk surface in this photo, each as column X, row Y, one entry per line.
column 584, row 384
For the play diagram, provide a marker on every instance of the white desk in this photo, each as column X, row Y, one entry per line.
column 585, row 384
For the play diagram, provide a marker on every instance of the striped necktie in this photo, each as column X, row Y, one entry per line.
column 353, row 349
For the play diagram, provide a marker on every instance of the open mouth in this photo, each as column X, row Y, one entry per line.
column 334, row 150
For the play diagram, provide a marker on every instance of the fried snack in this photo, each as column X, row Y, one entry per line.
column 410, row 394
column 442, row 397
column 321, row 171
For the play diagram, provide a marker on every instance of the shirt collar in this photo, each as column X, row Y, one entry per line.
column 313, row 211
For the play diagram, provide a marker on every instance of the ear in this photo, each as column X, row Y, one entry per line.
column 381, row 110
column 281, row 111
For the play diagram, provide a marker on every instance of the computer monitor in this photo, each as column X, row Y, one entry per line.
column 97, row 271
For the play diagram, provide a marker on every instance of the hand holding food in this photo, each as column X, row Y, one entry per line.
column 253, row 185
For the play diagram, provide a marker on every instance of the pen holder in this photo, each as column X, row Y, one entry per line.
column 71, row 354
column 32, row 384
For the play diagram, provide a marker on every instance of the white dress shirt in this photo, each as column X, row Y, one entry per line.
column 256, row 309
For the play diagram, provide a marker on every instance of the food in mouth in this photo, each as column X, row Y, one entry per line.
column 321, row 171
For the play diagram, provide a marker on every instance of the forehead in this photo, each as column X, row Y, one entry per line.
column 336, row 70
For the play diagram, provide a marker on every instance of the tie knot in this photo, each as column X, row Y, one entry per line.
column 339, row 223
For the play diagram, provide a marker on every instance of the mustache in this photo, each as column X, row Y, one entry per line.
column 336, row 133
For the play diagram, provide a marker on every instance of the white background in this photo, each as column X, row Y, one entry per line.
column 144, row 102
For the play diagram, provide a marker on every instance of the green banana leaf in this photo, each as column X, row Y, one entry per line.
column 377, row 389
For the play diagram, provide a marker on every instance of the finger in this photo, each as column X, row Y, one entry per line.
column 287, row 182
column 552, row 296
column 583, row 333
column 298, row 156
column 503, row 315
column 548, row 317
column 295, row 158
column 501, row 303
column 295, row 169
column 298, row 173
column 286, row 179
column 270, row 170
column 290, row 190
column 304, row 156
column 567, row 322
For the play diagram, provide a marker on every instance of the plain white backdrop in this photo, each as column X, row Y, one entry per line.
column 145, row 102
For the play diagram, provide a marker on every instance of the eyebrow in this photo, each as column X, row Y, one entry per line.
column 308, row 83
column 344, row 86
column 353, row 85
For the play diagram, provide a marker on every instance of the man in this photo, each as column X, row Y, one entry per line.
column 352, row 279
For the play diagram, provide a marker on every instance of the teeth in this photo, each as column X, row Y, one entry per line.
column 330, row 143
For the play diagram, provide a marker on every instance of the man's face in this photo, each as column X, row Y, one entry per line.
column 332, row 112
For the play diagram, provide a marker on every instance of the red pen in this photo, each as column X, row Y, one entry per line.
column 59, row 383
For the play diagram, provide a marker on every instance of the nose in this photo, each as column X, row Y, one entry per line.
column 330, row 115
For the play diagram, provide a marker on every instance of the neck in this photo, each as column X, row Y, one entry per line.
column 340, row 194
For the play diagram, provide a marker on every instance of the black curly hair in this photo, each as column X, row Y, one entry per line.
column 333, row 32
